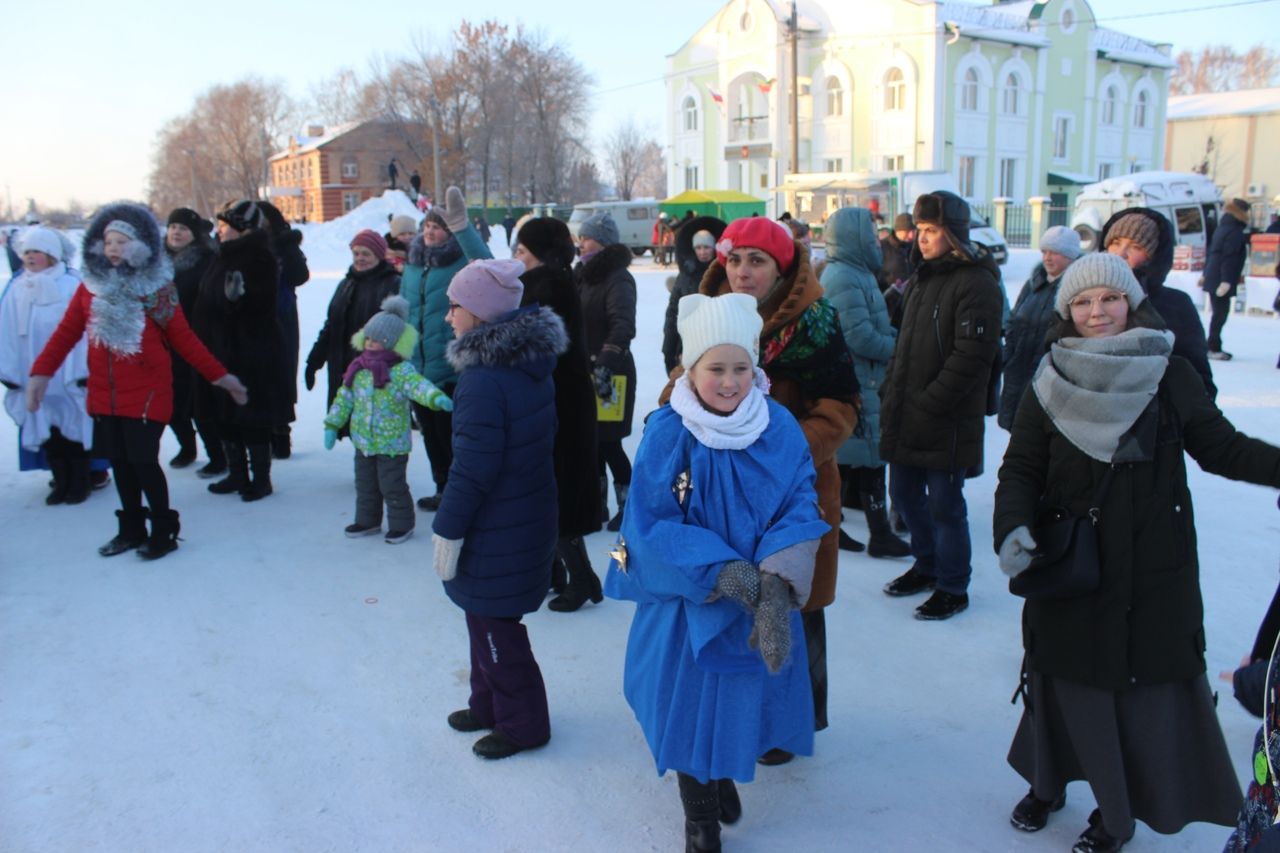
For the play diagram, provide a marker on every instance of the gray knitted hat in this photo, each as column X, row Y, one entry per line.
column 1062, row 240
column 1097, row 269
column 1139, row 228
column 387, row 325
column 600, row 227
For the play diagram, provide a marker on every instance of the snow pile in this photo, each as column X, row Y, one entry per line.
column 327, row 244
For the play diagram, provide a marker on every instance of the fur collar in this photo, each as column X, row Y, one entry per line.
column 604, row 263
column 799, row 289
column 439, row 255
column 255, row 242
column 123, row 296
column 190, row 256
column 524, row 337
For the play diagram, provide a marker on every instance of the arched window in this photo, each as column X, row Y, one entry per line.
column 835, row 97
column 969, row 91
column 1109, row 101
column 690, row 110
column 1011, row 96
column 895, row 91
column 1141, row 109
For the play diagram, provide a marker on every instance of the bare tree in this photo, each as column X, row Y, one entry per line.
column 583, row 182
column 652, row 182
column 554, row 106
column 1218, row 68
column 630, row 153
column 341, row 99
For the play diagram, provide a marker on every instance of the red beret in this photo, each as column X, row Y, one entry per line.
column 759, row 232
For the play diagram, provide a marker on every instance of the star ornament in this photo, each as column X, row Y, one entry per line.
column 682, row 486
column 619, row 554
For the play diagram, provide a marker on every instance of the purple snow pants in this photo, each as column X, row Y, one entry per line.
column 507, row 691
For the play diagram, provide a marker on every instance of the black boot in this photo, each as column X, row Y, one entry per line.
column 560, row 574
column 217, row 465
column 281, row 442
column 61, row 480
column 884, row 542
column 848, row 543
column 237, row 470
column 583, row 582
column 78, row 485
column 730, row 804
column 133, row 532
column 260, row 464
column 850, row 493
column 701, row 814
column 164, row 535
column 620, row 492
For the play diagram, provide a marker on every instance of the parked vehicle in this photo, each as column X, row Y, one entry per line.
column 634, row 219
column 1192, row 202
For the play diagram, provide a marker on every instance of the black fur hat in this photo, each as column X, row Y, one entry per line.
column 549, row 240
column 195, row 223
column 242, row 215
column 951, row 212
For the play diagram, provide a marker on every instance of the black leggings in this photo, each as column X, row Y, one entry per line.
column 134, row 479
column 611, row 455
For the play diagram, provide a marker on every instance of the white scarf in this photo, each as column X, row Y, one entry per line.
column 36, row 288
column 733, row 431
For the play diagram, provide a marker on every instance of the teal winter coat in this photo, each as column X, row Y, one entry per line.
column 853, row 260
column 425, row 282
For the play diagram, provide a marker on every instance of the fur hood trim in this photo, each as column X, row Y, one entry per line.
column 124, row 296
column 192, row 255
column 526, row 335
column 605, row 263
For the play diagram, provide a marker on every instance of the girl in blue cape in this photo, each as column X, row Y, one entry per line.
column 717, row 551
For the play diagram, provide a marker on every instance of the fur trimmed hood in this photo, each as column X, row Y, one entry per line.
column 530, row 338
column 147, row 268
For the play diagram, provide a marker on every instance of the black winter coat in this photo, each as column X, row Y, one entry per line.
column 357, row 298
column 689, row 273
column 1227, row 252
column 189, row 266
column 935, row 391
column 577, row 479
column 608, row 295
column 895, row 264
column 244, row 334
column 1024, row 340
column 286, row 245
column 1173, row 305
column 1144, row 624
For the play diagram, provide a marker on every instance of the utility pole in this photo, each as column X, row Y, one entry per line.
column 436, row 197
column 793, row 27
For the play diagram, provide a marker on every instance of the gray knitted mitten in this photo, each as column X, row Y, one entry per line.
column 772, row 630
column 739, row 581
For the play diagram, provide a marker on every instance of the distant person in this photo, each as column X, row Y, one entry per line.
column 1224, row 270
column 1274, row 227
column 897, row 266
column 400, row 233
column 508, row 225
column 286, row 248
column 415, row 183
column 482, row 228
column 392, row 172
column 695, row 251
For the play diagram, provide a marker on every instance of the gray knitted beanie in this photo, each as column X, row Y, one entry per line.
column 387, row 325
column 1097, row 269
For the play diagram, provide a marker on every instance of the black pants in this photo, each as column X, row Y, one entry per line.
column 58, row 446
column 1221, row 311
column 437, row 435
column 133, row 446
column 245, row 435
column 611, row 456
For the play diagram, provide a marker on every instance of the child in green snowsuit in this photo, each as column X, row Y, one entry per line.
column 376, row 391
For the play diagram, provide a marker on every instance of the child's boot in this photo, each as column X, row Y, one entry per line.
column 164, row 535
column 260, row 465
column 133, row 532
column 701, row 814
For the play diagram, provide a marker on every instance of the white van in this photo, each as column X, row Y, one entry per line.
column 634, row 220
column 1190, row 201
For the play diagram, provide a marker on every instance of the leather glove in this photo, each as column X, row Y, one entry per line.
column 233, row 285
column 771, row 633
column 1015, row 551
column 738, row 581
column 309, row 377
column 330, row 438
column 603, row 379
column 1223, row 289
column 455, row 210
column 438, row 401
column 446, row 556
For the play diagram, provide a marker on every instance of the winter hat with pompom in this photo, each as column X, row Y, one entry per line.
column 709, row 321
column 1097, row 269
column 488, row 289
column 388, row 325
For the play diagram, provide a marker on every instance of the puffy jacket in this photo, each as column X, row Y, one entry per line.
column 1227, row 252
column 425, row 283
column 1024, row 345
column 608, row 294
column 357, row 298
column 379, row 419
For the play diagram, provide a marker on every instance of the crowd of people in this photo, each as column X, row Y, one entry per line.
column 796, row 391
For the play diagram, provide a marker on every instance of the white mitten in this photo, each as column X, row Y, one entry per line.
column 1015, row 551
column 447, row 552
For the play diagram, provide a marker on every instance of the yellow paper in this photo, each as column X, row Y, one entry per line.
column 613, row 412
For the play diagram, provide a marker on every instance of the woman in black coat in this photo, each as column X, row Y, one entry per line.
column 359, row 295
column 286, row 246
column 1115, row 684
column 695, row 250
column 546, row 249
column 608, row 294
column 236, row 317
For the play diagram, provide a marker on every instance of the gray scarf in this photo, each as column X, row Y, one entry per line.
column 1094, row 389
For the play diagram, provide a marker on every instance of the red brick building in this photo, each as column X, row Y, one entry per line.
column 331, row 171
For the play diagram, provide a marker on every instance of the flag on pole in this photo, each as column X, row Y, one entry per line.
column 716, row 96
column 766, row 85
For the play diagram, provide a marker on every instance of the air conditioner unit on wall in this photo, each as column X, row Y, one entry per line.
column 1257, row 190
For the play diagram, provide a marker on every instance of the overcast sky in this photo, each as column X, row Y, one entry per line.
column 89, row 84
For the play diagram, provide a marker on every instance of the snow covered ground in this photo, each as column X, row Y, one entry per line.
column 274, row 686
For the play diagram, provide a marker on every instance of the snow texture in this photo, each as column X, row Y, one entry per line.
column 275, row 686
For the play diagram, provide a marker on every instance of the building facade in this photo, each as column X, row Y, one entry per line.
column 329, row 172
column 1014, row 99
column 1230, row 137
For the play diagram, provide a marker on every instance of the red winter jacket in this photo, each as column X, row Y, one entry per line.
column 130, row 386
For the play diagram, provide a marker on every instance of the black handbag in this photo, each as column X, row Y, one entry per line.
column 1065, row 563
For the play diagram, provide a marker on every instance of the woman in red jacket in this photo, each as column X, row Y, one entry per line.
column 129, row 306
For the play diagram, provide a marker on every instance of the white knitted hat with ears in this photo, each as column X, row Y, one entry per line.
column 708, row 321
column 37, row 238
column 1097, row 269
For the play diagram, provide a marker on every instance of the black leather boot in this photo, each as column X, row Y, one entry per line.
column 78, row 485
column 884, row 542
column 620, row 492
column 260, row 466
column 133, row 532
column 583, row 583
column 701, row 814
column 164, row 535
column 237, row 470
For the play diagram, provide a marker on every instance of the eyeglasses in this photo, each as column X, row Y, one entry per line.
column 1084, row 305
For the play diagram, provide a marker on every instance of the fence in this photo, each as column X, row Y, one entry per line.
column 1019, row 221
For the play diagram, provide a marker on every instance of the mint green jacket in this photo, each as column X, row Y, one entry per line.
column 380, row 417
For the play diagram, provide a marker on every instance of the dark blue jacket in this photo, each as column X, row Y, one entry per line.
column 501, row 496
column 1227, row 252
column 1024, row 344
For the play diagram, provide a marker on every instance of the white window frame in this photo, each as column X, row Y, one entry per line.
column 1008, row 177
column 835, row 97
column 895, row 90
column 1141, row 109
column 1110, row 103
column 350, row 168
column 967, row 174
column 1011, row 95
column 969, row 98
column 350, row 201
column 689, row 109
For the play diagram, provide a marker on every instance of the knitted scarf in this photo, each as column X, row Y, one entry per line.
column 377, row 362
column 1095, row 389
column 809, row 350
column 734, row 431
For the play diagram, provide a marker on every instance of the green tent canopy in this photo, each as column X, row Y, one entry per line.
column 725, row 204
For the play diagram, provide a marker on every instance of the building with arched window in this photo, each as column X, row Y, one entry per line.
column 1015, row 99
